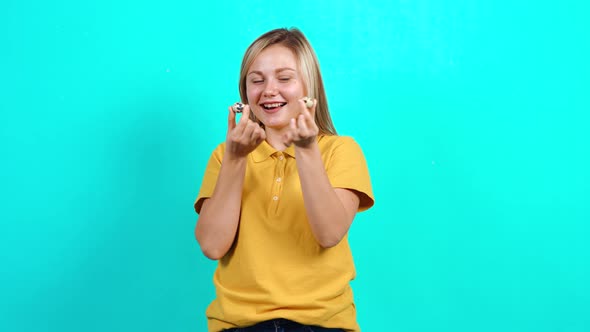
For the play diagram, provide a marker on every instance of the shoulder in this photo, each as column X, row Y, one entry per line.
column 331, row 143
column 220, row 147
column 218, row 151
column 346, row 167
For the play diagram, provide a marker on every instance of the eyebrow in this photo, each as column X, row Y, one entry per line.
column 278, row 70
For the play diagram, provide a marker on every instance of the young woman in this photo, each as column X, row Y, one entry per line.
column 278, row 198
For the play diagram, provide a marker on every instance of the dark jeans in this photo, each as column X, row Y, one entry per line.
column 282, row 325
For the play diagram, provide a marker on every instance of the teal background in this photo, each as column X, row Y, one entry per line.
column 473, row 116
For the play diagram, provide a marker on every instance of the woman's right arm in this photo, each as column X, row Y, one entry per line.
column 220, row 214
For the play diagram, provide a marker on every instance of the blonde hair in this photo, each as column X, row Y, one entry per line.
column 294, row 40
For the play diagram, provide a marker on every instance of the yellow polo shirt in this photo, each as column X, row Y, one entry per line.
column 276, row 268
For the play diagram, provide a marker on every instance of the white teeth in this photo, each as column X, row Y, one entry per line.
column 272, row 105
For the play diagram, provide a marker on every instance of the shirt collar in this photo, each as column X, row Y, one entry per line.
column 265, row 151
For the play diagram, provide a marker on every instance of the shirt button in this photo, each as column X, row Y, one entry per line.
column 278, row 179
column 281, row 157
column 275, row 198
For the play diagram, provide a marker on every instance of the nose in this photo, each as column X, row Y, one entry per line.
column 270, row 89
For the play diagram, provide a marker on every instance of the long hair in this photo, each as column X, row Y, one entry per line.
column 309, row 66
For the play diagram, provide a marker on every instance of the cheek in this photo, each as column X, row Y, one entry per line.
column 252, row 93
column 295, row 91
column 253, row 96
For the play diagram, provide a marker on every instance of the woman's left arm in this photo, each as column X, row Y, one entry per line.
column 330, row 210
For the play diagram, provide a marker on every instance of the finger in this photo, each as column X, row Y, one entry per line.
column 310, row 110
column 261, row 135
column 231, row 119
column 243, row 119
column 290, row 135
column 308, row 118
column 313, row 108
column 293, row 126
column 302, row 124
column 247, row 133
column 310, row 115
column 287, row 139
column 304, row 106
column 256, row 133
column 245, row 113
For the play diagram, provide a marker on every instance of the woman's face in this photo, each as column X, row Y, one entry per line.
column 273, row 86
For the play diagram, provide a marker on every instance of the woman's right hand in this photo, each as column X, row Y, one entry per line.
column 243, row 137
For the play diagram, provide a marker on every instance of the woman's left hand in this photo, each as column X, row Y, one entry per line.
column 302, row 130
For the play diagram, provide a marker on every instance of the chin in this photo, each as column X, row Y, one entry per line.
column 276, row 123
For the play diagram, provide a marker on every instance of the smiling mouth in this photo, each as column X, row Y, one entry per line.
column 273, row 106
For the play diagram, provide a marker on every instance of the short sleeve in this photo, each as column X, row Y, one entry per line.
column 347, row 168
column 210, row 177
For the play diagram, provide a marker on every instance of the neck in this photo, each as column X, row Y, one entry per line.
column 275, row 137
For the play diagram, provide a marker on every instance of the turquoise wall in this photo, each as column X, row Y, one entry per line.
column 473, row 116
